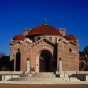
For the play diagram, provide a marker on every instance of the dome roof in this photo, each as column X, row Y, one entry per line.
column 19, row 37
column 44, row 29
column 70, row 37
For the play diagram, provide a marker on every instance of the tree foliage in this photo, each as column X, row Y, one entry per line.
column 81, row 53
column 4, row 68
column 85, row 51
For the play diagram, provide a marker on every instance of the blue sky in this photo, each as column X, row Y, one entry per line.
column 15, row 15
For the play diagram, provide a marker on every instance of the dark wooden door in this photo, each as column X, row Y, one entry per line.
column 42, row 66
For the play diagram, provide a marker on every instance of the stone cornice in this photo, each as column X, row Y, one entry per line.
column 12, row 42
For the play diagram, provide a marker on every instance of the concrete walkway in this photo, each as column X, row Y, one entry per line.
column 43, row 82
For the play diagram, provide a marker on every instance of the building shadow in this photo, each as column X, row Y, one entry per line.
column 4, row 63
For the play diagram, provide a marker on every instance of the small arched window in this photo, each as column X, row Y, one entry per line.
column 38, row 38
column 18, row 50
column 70, row 50
column 59, row 39
column 55, row 40
column 50, row 38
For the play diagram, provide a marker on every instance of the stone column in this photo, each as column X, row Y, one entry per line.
column 57, row 64
column 60, row 65
column 37, row 63
column 28, row 65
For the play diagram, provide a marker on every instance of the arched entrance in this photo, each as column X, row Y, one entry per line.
column 45, row 61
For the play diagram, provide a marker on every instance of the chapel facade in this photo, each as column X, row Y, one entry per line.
column 42, row 48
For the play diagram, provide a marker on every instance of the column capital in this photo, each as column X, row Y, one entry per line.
column 60, row 59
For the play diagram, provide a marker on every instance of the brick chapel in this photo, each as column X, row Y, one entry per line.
column 41, row 49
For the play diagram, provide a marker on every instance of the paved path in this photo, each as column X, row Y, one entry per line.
column 43, row 86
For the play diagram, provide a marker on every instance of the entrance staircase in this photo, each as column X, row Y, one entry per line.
column 45, row 77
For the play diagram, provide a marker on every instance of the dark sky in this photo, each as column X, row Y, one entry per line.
column 15, row 15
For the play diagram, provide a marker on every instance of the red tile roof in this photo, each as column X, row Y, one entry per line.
column 0, row 57
column 70, row 37
column 19, row 37
column 81, row 57
column 44, row 29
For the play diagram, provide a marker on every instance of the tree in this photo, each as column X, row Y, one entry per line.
column 2, row 53
column 4, row 68
column 81, row 53
column 85, row 51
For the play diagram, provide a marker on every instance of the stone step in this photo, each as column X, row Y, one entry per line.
column 45, row 77
column 71, row 79
column 44, row 74
column 37, row 79
column 42, row 79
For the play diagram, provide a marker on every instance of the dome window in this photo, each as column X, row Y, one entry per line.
column 55, row 40
column 32, row 39
column 50, row 38
column 38, row 38
column 60, row 39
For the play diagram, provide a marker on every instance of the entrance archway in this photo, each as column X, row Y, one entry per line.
column 45, row 61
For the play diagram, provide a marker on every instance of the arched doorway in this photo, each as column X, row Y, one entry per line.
column 45, row 61
column 18, row 57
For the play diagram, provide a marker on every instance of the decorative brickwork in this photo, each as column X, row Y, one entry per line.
column 34, row 47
